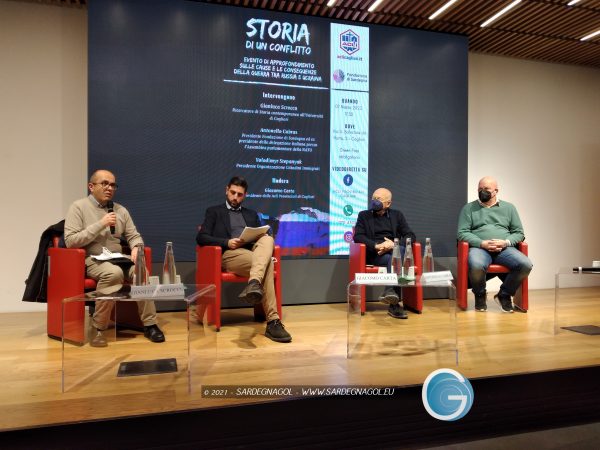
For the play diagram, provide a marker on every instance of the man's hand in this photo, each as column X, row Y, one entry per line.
column 493, row 245
column 235, row 243
column 134, row 252
column 384, row 247
column 109, row 220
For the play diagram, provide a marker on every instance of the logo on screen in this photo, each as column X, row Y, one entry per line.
column 339, row 75
column 447, row 395
column 348, row 180
column 349, row 42
column 348, row 236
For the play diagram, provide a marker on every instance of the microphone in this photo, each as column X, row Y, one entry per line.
column 110, row 205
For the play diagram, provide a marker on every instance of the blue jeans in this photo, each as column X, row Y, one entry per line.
column 480, row 259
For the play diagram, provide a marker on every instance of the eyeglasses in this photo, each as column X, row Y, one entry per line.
column 106, row 185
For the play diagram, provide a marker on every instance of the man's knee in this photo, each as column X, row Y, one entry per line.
column 526, row 266
column 266, row 241
column 112, row 275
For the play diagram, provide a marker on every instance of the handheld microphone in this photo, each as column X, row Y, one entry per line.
column 110, row 206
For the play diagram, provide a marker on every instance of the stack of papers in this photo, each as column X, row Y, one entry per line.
column 107, row 255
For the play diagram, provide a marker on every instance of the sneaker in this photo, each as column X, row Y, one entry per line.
column 397, row 311
column 252, row 293
column 98, row 339
column 481, row 303
column 389, row 297
column 276, row 332
column 504, row 301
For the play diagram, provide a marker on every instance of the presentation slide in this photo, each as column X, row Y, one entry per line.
column 185, row 95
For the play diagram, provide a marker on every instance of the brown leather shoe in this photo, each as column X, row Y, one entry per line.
column 252, row 293
column 98, row 339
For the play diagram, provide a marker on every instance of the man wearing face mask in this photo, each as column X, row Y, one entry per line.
column 493, row 229
column 377, row 228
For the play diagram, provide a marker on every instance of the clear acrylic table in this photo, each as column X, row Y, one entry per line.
column 577, row 301
column 131, row 362
column 430, row 336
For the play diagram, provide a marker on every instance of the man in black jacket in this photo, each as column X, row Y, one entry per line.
column 223, row 225
column 377, row 228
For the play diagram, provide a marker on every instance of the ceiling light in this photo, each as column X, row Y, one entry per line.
column 589, row 36
column 500, row 13
column 572, row 2
column 330, row 3
column 375, row 5
column 442, row 9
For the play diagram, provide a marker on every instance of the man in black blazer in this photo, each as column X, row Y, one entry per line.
column 223, row 225
column 377, row 228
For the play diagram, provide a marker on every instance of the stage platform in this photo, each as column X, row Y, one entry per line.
column 515, row 352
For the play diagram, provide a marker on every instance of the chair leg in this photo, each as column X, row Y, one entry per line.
column 259, row 313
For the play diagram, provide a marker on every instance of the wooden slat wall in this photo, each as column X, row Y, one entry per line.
column 543, row 30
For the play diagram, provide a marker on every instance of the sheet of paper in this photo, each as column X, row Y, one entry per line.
column 252, row 234
column 107, row 255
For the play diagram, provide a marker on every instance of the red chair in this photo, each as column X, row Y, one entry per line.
column 413, row 297
column 521, row 299
column 209, row 271
column 66, row 278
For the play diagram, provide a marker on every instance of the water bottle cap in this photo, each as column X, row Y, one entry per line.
column 169, row 243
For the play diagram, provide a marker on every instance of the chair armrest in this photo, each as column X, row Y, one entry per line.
column 523, row 247
column 357, row 259
column 418, row 257
column 66, row 266
column 208, row 264
column 148, row 256
column 277, row 256
column 462, row 257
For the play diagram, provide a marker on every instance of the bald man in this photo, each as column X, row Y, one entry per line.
column 88, row 225
column 377, row 228
column 492, row 228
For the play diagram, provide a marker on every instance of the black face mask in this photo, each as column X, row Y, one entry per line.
column 484, row 196
column 376, row 205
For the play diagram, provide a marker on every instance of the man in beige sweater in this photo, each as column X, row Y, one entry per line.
column 90, row 225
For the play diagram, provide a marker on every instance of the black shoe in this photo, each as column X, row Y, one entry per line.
column 276, row 332
column 397, row 311
column 154, row 334
column 504, row 301
column 389, row 297
column 252, row 293
column 481, row 303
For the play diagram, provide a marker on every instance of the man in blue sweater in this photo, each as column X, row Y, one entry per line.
column 492, row 228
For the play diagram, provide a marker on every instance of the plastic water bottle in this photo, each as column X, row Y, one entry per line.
column 428, row 257
column 397, row 258
column 140, row 275
column 409, row 261
column 169, row 271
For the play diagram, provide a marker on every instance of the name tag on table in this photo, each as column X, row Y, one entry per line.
column 167, row 291
column 436, row 277
column 376, row 278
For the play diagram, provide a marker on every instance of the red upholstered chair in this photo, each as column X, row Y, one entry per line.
column 209, row 271
column 413, row 297
column 521, row 299
column 66, row 278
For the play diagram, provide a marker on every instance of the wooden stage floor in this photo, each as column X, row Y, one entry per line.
column 391, row 352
